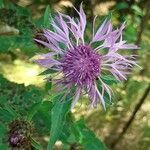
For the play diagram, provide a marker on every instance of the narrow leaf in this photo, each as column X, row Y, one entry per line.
column 35, row 144
column 58, row 114
column 33, row 111
column 109, row 79
column 47, row 16
column 11, row 110
column 87, row 138
column 47, row 71
column 1, row 4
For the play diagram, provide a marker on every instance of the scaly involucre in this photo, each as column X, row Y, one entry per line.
column 79, row 64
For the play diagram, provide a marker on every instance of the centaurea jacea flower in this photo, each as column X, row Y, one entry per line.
column 80, row 64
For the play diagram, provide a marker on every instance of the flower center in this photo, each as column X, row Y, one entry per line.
column 81, row 65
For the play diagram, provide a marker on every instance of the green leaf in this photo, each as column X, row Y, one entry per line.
column 58, row 115
column 3, row 130
column 109, row 16
column 6, row 43
column 16, row 99
column 137, row 10
column 35, row 144
column 5, row 115
column 134, row 87
column 43, row 118
column 3, row 147
column 109, row 79
column 131, row 33
column 87, row 138
column 47, row 17
column 33, row 110
column 67, row 136
column 48, row 86
column 1, row 4
column 11, row 110
column 122, row 5
column 48, row 71
column 22, row 11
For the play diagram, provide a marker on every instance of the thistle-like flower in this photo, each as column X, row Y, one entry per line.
column 81, row 64
column 19, row 135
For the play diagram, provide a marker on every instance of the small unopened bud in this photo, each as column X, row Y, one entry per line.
column 20, row 133
column 16, row 140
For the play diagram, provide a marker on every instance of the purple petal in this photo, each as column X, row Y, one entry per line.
column 50, row 46
column 128, row 46
column 100, row 97
column 47, row 62
column 82, row 19
column 101, row 32
column 53, row 35
column 77, row 95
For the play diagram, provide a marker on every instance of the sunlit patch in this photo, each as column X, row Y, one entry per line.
column 22, row 72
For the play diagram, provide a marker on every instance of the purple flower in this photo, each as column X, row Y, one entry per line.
column 16, row 139
column 79, row 64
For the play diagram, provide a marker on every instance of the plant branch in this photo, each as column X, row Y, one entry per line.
column 131, row 118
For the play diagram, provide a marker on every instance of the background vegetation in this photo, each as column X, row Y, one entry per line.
column 29, row 108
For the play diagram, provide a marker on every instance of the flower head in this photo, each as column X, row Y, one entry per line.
column 19, row 135
column 80, row 63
